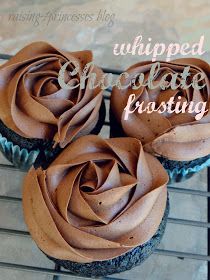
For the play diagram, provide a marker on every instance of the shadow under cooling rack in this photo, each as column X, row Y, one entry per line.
column 56, row 272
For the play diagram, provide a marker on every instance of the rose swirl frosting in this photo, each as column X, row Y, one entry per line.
column 35, row 106
column 99, row 199
column 171, row 135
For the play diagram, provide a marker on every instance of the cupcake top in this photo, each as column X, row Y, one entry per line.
column 98, row 200
column 176, row 136
column 35, row 106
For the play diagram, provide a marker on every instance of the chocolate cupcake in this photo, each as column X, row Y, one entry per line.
column 36, row 113
column 180, row 140
column 100, row 208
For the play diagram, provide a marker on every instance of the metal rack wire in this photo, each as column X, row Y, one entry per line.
column 56, row 272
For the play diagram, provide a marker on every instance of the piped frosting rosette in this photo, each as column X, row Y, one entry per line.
column 178, row 137
column 34, row 105
column 98, row 200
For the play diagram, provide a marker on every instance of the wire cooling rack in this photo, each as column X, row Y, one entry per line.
column 57, row 272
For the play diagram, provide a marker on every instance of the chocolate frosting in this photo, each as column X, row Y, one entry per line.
column 96, row 201
column 35, row 106
column 174, row 136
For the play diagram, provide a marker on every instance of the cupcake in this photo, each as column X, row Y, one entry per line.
column 38, row 117
column 180, row 140
column 101, row 206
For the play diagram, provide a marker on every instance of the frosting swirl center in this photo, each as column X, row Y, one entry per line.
column 96, row 201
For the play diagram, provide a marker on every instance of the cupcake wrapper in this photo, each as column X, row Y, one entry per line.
column 184, row 170
column 24, row 158
column 125, row 262
column 21, row 158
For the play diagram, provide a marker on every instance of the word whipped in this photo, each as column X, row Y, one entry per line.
column 138, row 47
column 87, row 78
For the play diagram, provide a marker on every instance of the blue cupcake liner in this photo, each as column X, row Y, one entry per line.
column 21, row 158
column 179, row 174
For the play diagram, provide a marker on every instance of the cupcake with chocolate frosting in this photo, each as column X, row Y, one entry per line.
column 37, row 116
column 100, row 207
column 181, row 141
